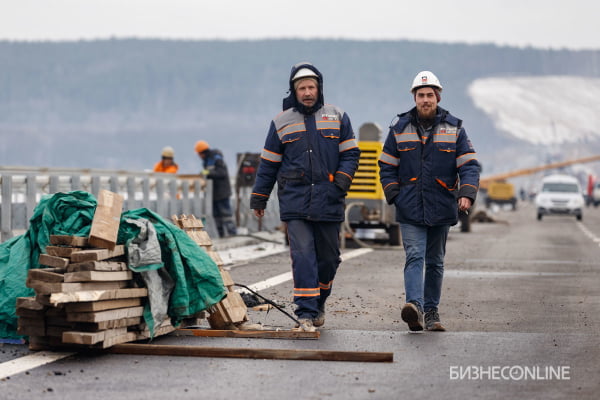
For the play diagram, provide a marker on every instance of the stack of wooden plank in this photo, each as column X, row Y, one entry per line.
column 230, row 312
column 84, row 296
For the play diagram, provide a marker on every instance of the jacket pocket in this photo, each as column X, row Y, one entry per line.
column 446, row 147
column 333, row 134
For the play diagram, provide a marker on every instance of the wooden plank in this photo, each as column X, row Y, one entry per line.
column 58, row 287
column 164, row 329
column 200, row 237
column 107, row 315
column 105, row 224
column 66, row 240
column 103, row 325
column 97, row 266
column 88, row 338
column 116, row 340
column 45, row 275
column 26, row 313
column 62, row 251
column 98, row 254
column 98, row 276
column 96, row 295
column 266, row 334
column 215, row 257
column 91, row 306
column 232, row 352
column 226, row 276
column 29, row 303
column 53, row 261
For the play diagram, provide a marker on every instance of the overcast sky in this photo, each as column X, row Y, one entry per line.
column 539, row 23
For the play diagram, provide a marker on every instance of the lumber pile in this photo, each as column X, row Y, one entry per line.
column 231, row 312
column 85, row 294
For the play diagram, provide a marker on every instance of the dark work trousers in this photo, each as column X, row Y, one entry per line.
column 224, row 218
column 315, row 253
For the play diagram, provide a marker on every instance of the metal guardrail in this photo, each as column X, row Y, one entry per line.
column 21, row 189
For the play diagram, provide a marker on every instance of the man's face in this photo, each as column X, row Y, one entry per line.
column 307, row 92
column 426, row 102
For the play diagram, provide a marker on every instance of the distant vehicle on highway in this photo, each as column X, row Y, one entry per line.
column 595, row 200
column 559, row 194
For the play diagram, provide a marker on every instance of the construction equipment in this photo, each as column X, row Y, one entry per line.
column 368, row 216
column 501, row 192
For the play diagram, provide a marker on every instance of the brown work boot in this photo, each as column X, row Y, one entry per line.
column 319, row 320
column 432, row 321
column 412, row 316
column 306, row 325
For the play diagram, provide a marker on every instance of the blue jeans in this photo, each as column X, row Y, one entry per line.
column 315, row 253
column 424, row 245
column 223, row 216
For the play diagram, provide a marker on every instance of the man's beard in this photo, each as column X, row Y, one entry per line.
column 426, row 114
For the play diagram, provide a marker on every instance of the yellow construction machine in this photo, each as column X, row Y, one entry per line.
column 368, row 216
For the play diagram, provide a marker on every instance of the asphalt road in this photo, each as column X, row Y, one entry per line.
column 521, row 301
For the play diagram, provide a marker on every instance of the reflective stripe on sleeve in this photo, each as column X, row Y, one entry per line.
column 465, row 158
column 270, row 156
column 386, row 158
column 347, row 145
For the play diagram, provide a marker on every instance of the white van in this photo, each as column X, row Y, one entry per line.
column 559, row 194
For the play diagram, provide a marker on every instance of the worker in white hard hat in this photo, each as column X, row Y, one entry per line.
column 167, row 162
column 311, row 153
column 429, row 172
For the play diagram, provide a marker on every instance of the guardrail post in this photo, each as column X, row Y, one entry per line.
column 173, row 201
column 161, row 208
column 95, row 185
column 30, row 197
column 75, row 182
column 131, row 201
column 185, row 197
column 6, row 212
column 54, row 184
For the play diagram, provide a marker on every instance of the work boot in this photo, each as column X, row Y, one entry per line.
column 306, row 325
column 412, row 316
column 319, row 320
column 432, row 321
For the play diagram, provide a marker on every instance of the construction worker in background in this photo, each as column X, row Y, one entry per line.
column 167, row 163
column 429, row 171
column 311, row 152
column 215, row 169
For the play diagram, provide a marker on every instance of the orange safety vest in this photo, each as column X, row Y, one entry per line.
column 171, row 169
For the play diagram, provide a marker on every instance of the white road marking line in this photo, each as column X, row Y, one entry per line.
column 28, row 362
column 488, row 274
column 287, row 276
column 588, row 233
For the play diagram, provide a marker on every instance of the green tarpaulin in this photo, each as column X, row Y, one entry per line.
column 198, row 283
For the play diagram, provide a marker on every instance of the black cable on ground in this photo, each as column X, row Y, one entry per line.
column 269, row 302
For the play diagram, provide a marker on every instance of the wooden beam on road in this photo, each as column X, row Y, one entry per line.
column 232, row 352
column 266, row 334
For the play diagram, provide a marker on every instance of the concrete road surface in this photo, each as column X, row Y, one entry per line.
column 521, row 301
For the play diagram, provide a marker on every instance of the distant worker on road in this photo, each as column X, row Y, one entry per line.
column 429, row 171
column 311, row 152
column 167, row 163
column 215, row 169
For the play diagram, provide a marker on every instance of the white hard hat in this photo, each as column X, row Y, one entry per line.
column 168, row 152
column 425, row 78
column 304, row 73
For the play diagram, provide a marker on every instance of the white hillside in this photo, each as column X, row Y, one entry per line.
column 549, row 110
